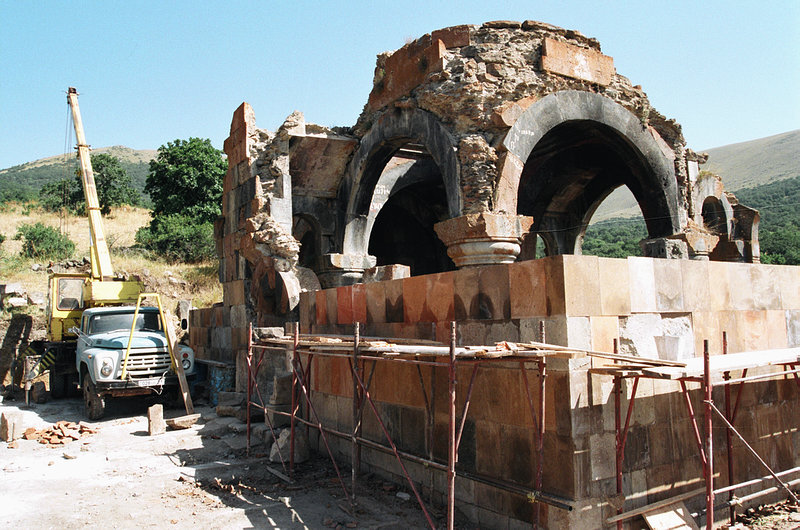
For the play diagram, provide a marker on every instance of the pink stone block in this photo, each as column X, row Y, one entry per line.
column 706, row 325
column 395, row 311
column 527, row 289
column 614, row 282
column 719, row 286
column 604, row 330
column 581, row 285
column 466, row 294
column 696, row 292
column 494, row 296
column 789, row 285
column 741, row 286
column 376, row 302
column 776, row 329
column 751, row 328
column 669, row 285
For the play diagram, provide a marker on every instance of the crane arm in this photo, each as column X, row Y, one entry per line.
column 99, row 254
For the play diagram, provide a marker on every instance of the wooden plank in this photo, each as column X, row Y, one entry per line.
column 656, row 506
column 728, row 363
column 674, row 517
column 187, row 397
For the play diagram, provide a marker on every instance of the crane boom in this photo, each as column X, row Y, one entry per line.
column 99, row 255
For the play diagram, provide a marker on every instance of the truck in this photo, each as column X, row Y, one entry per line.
column 99, row 338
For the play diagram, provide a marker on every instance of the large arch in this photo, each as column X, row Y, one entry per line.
column 575, row 148
column 366, row 186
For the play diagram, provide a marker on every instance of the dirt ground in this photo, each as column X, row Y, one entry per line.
column 121, row 477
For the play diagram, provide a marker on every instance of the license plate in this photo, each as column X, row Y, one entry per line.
column 150, row 381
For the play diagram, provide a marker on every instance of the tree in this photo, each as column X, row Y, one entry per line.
column 185, row 185
column 44, row 242
column 186, row 178
column 111, row 180
column 113, row 183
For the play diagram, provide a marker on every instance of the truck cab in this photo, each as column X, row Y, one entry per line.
column 109, row 368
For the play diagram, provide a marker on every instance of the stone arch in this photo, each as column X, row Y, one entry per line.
column 618, row 150
column 365, row 178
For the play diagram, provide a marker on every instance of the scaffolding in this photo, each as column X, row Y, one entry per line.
column 362, row 355
column 709, row 371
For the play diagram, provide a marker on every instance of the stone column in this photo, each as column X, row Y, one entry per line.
column 483, row 238
column 336, row 270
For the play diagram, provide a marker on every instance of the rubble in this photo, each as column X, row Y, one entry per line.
column 62, row 432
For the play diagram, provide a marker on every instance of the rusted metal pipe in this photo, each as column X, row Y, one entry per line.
column 728, row 439
column 709, row 464
column 451, row 439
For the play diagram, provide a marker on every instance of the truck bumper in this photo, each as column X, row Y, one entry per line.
column 135, row 387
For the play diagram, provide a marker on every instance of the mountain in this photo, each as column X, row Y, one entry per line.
column 24, row 181
column 742, row 165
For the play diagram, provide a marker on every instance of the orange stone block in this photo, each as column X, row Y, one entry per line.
column 321, row 307
column 439, row 298
column 415, row 292
column 527, row 289
column 580, row 63
column 581, row 285
column 359, row 302
column 344, row 305
column 604, row 331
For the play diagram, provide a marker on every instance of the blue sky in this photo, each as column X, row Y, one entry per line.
column 151, row 72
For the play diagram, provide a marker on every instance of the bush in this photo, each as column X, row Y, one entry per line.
column 178, row 238
column 44, row 242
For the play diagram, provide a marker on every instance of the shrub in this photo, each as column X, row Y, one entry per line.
column 44, row 242
column 178, row 238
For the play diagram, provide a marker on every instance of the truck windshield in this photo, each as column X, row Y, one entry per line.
column 122, row 321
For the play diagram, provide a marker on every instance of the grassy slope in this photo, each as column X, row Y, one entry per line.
column 743, row 165
column 120, row 229
column 31, row 176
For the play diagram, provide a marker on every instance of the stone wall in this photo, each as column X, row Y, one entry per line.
column 657, row 308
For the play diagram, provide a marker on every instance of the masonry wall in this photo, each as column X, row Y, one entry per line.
column 657, row 308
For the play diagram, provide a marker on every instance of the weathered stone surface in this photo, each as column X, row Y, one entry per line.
column 281, row 448
column 483, row 238
column 183, row 422
column 155, row 420
column 11, row 426
column 39, row 393
column 580, row 63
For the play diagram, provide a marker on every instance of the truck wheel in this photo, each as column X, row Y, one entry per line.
column 58, row 384
column 94, row 404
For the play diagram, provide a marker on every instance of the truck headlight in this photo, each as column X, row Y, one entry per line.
column 186, row 364
column 107, row 368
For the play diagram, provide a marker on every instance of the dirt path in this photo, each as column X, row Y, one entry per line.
column 121, row 477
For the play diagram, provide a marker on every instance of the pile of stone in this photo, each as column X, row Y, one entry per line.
column 60, row 433
column 15, row 296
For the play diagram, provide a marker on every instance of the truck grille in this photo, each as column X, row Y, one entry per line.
column 147, row 364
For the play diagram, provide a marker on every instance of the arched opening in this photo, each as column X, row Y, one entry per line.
column 402, row 180
column 409, row 199
column 714, row 219
column 306, row 231
column 571, row 170
column 616, row 228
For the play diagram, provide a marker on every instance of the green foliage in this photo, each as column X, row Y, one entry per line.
column 111, row 180
column 186, row 178
column 44, row 242
column 178, row 238
column 2, row 238
column 615, row 238
column 22, row 182
column 779, row 229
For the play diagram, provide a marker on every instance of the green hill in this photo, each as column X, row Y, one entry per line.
column 743, row 165
column 24, row 181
